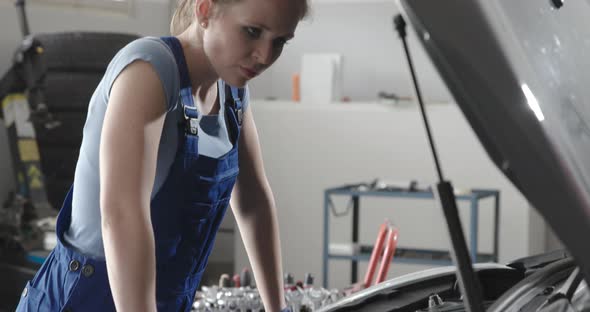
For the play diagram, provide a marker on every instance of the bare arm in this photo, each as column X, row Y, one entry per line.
column 128, row 151
column 254, row 208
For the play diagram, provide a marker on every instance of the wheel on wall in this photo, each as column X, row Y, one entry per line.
column 69, row 91
column 81, row 51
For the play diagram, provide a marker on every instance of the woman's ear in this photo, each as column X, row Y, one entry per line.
column 204, row 10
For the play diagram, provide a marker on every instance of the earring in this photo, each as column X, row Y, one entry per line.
column 204, row 24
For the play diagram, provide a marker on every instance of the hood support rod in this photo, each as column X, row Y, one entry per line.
column 468, row 281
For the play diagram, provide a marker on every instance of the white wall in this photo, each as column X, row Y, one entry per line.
column 373, row 55
column 310, row 148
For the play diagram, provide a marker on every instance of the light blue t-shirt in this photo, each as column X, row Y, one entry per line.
column 85, row 230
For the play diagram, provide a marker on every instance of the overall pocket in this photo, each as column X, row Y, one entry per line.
column 33, row 299
column 210, row 189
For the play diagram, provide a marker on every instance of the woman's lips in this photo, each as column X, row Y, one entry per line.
column 249, row 72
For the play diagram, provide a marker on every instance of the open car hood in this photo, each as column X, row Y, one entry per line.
column 520, row 72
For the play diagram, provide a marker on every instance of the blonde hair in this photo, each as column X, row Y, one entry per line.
column 184, row 14
column 183, row 17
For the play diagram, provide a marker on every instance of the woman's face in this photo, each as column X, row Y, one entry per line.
column 244, row 38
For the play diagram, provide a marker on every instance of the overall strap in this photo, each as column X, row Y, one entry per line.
column 236, row 96
column 191, row 114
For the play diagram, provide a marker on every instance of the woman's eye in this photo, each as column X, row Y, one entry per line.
column 253, row 32
column 280, row 42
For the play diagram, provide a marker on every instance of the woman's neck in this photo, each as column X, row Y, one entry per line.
column 202, row 75
column 207, row 99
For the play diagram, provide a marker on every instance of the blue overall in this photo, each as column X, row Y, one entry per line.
column 186, row 214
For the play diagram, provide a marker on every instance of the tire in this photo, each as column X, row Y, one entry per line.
column 56, row 190
column 70, row 91
column 73, row 64
column 68, row 134
column 59, row 162
column 81, row 51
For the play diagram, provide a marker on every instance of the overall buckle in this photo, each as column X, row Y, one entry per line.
column 192, row 124
column 240, row 115
column 238, row 109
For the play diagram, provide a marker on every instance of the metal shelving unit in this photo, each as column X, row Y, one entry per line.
column 406, row 255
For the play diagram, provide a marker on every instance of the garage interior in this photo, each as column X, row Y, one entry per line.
column 345, row 156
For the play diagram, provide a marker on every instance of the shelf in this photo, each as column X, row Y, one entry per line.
column 415, row 256
column 408, row 190
column 354, row 190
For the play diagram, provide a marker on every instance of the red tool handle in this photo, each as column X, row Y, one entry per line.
column 387, row 254
column 377, row 249
column 237, row 280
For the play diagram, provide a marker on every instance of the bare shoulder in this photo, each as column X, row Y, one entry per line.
column 138, row 85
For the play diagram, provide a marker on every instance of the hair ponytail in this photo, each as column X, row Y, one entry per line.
column 183, row 17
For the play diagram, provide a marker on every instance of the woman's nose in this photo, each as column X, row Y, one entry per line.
column 264, row 53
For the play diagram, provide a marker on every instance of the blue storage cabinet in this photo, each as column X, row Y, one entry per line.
column 406, row 255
